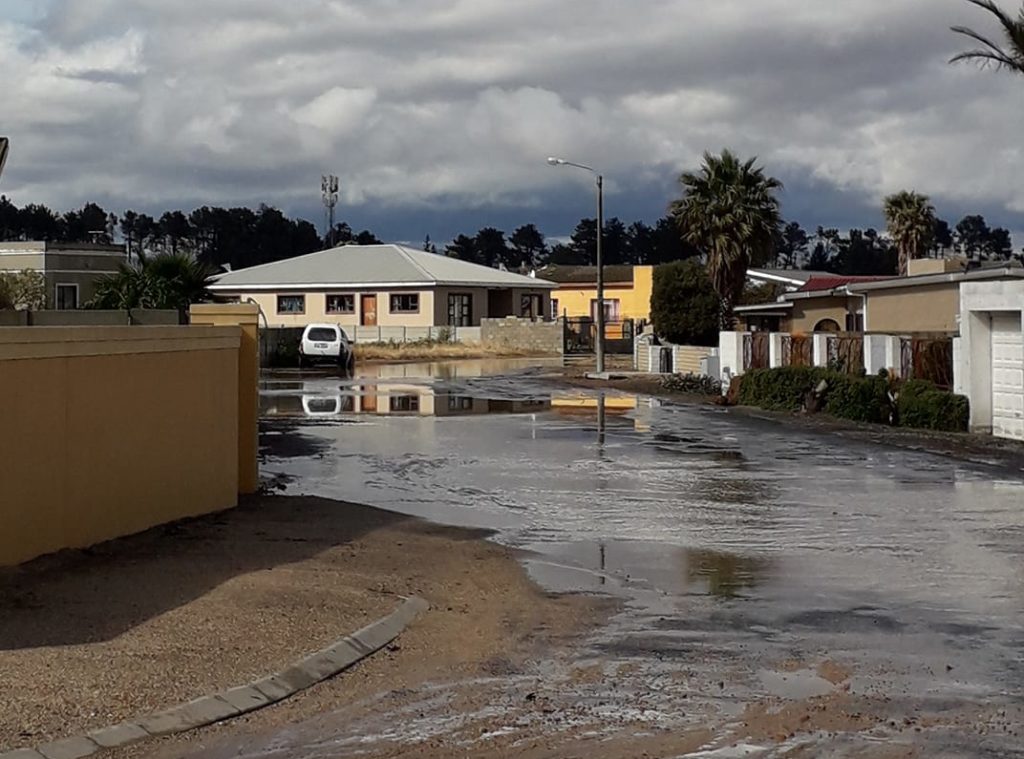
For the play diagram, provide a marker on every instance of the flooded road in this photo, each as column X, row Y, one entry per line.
column 767, row 573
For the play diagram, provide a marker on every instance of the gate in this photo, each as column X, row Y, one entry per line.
column 581, row 336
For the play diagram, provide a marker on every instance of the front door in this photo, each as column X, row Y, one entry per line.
column 368, row 309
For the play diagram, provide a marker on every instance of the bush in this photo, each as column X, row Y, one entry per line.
column 781, row 389
column 685, row 308
column 691, row 384
column 922, row 405
column 858, row 398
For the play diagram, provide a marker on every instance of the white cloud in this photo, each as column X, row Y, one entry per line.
column 457, row 102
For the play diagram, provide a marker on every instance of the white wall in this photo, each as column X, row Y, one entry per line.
column 978, row 300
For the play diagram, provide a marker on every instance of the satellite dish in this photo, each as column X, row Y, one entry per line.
column 4, row 144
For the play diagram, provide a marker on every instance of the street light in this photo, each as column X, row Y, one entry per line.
column 599, row 348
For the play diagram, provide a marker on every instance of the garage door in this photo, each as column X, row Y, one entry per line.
column 1007, row 376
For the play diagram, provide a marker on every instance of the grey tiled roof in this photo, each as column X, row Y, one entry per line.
column 370, row 266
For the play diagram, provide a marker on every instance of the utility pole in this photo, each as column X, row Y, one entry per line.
column 329, row 194
column 4, row 145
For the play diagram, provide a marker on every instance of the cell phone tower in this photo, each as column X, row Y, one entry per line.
column 329, row 193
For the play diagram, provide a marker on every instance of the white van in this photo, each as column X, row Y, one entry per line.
column 323, row 343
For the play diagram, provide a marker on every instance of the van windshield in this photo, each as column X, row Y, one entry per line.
column 323, row 335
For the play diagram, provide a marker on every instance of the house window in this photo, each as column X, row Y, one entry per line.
column 460, row 310
column 291, row 304
column 855, row 322
column 611, row 310
column 554, row 308
column 341, row 304
column 530, row 305
column 408, row 303
column 66, row 297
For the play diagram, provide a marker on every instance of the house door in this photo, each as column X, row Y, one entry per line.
column 1007, row 376
column 368, row 308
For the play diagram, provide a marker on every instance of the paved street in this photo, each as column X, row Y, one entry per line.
column 783, row 592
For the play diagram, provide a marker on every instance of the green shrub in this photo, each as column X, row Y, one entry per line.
column 858, row 398
column 922, row 405
column 780, row 389
column 692, row 384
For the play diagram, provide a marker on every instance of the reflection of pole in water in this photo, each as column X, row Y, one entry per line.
column 600, row 420
column 603, row 563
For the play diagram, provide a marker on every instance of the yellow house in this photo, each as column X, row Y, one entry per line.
column 627, row 291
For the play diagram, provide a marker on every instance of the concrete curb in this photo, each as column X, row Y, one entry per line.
column 234, row 702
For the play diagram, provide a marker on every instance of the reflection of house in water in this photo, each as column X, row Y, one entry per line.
column 392, row 400
column 641, row 409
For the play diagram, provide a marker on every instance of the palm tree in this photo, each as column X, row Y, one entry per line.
column 910, row 219
column 166, row 280
column 730, row 213
column 1010, row 57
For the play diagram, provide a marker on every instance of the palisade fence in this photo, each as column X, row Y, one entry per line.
column 757, row 350
column 846, row 352
column 924, row 356
column 797, row 350
column 928, row 358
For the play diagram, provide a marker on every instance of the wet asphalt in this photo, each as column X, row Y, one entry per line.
column 745, row 551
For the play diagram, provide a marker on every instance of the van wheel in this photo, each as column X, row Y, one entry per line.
column 350, row 364
column 300, row 361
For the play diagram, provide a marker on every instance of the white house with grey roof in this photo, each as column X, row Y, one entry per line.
column 384, row 286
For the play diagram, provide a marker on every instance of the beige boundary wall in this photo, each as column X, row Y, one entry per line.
column 108, row 431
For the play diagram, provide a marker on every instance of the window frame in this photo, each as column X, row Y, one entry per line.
column 301, row 312
column 613, row 305
column 466, row 314
column 392, row 297
column 327, row 302
column 56, row 295
column 535, row 309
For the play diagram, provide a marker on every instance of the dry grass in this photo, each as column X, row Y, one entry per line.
column 432, row 351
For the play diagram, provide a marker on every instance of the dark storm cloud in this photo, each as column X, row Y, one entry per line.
column 448, row 107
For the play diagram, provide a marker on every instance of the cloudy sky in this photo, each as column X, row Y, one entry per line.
column 438, row 114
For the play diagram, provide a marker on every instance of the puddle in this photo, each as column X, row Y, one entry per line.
column 735, row 544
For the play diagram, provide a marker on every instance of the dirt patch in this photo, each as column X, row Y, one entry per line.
column 94, row 637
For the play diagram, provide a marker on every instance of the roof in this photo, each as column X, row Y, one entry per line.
column 587, row 275
column 370, row 266
column 973, row 275
column 790, row 277
column 832, row 281
column 765, row 308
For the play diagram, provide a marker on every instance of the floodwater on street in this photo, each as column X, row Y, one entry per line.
column 755, row 562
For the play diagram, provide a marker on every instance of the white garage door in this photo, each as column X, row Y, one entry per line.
column 1007, row 376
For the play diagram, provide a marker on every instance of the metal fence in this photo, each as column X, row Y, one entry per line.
column 927, row 358
column 581, row 336
column 846, row 352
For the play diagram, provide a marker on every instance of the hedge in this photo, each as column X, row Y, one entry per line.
column 858, row 398
column 921, row 404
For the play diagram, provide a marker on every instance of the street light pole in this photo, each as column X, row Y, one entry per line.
column 600, row 274
column 599, row 342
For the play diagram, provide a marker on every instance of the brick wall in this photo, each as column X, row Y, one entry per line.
column 523, row 335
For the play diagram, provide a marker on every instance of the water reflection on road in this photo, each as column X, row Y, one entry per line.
column 736, row 544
